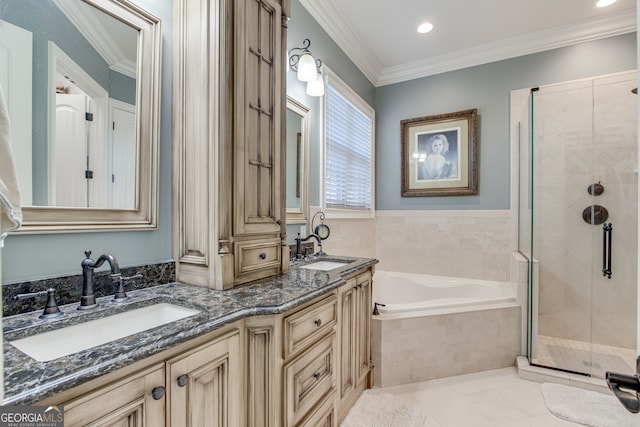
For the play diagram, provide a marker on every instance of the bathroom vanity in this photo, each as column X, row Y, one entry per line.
column 290, row 350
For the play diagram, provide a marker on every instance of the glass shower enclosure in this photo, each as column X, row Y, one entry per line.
column 579, row 223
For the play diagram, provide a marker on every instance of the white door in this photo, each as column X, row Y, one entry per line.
column 15, row 80
column 69, row 152
column 124, row 152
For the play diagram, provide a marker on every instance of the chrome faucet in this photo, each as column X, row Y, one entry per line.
column 88, row 299
column 300, row 240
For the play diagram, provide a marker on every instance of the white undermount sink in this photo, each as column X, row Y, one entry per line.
column 324, row 265
column 72, row 339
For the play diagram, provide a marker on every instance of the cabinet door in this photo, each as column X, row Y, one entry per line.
column 205, row 385
column 348, row 341
column 258, row 99
column 134, row 402
column 363, row 325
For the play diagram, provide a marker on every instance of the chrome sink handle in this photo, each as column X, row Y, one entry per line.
column 51, row 309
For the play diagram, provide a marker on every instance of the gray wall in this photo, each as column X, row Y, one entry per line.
column 47, row 23
column 27, row 257
column 486, row 88
column 303, row 26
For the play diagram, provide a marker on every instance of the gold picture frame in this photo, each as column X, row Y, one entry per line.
column 440, row 155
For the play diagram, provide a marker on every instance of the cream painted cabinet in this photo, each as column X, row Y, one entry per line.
column 137, row 401
column 229, row 111
column 348, row 341
column 305, row 367
column 310, row 364
column 204, row 385
column 354, row 324
column 363, row 325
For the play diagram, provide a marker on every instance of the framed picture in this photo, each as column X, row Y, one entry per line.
column 439, row 155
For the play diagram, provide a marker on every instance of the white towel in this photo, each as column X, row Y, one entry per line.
column 10, row 211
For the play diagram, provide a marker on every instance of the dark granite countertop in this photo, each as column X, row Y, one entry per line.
column 27, row 381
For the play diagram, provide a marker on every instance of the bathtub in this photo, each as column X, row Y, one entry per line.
column 407, row 292
column 435, row 327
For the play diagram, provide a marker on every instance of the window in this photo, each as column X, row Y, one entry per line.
column 348, row 151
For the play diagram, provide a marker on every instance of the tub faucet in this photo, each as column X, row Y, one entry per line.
column 88, row 299
column 299, row 240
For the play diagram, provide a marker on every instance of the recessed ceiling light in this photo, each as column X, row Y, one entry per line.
column 605, row 3
column 427, row 26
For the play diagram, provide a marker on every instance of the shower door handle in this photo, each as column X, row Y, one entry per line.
column 607, row 230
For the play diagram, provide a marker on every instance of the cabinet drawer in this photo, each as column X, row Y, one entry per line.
column 252, row 256
column 308, row 379
column 307, row 325
column 323, row 415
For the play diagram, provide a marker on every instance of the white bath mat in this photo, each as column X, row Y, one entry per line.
column 376, row 408
column 586, row 407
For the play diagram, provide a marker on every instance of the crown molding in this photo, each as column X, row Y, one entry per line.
column 127, row 67
column 345, row 36
column 95, row 33
column 608, row 26
column 353, row 45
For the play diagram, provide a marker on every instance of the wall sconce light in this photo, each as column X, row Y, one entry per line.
column 308, row 68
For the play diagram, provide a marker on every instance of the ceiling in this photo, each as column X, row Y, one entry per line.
column 115, row 41
column 381, row 37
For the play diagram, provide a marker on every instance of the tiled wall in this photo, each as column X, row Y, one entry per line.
column 349, row 237
column 406, row 350
column 471, row 244
column 584, row 132
column 461, row 243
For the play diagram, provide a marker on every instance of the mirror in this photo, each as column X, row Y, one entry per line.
column 82, row 85
column 298, row 124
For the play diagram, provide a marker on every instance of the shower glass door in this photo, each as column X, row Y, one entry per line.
column 583, row 206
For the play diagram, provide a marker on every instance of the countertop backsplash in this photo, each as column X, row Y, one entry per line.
column 69, row 288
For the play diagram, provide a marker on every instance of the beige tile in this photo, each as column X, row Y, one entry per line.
column 496, row 398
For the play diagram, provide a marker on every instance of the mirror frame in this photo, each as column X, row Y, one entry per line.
column 44, row 219
column 301, row 215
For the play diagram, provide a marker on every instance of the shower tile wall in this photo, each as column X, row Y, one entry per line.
column 616, row 151
column 569, row 249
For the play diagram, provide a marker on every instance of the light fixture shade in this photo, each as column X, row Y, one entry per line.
column 307, row 68
column 316, row 87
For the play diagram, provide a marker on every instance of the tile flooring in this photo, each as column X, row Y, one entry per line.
column 496, row 398
column 584, row 357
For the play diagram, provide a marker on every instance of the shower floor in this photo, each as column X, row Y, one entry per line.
column 584, row 357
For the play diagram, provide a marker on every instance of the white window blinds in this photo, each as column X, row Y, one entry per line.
column 348, row 151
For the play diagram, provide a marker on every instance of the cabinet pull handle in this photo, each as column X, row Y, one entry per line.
column 182, row 380
column 318, row 322
column 263, row 255
column 317, row 375
column 157, row 393
column 279, row 222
